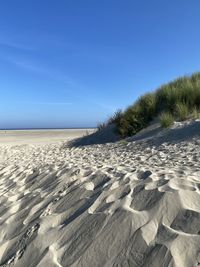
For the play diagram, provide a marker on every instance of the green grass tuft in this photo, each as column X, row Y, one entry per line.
column 195, row 114
column 101, row 126
column 182, row 111
column 166, row 119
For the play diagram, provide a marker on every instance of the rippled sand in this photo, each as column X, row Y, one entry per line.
column 133, row 203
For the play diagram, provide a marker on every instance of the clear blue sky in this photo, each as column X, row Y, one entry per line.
column 72, row 63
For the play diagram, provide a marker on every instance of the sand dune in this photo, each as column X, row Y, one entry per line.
column 133, row 203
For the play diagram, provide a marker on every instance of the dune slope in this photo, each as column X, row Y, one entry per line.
column 131, row 203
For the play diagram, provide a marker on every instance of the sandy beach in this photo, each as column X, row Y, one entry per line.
column 99, row 133
column 11, row 137
column 129, row 203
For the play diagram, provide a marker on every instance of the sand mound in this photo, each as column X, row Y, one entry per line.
column 131, row 203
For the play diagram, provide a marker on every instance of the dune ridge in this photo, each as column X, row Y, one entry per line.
column 130, row 203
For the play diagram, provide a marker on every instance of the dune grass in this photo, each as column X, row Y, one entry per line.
column 177, row 100
column 195, row 114
column 166, row 119
column 182, row 111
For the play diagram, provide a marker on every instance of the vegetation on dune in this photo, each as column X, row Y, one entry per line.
column 101, row 126
column 195, row 114
column 182, row 111
column 166, row 119
column 177, row 100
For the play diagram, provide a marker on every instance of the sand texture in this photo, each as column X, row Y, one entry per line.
column 134, row 203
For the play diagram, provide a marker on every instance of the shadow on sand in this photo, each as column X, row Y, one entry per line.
column 106, row 135
column 157, row 136
column 154, row 135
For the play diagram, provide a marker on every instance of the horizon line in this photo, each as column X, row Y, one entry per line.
column 46, row 128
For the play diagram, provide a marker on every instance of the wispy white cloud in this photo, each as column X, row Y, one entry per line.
column 83, row 93
column 16, row 45
column 37, row 68
column 44, row 103
column 26, row 64
column 54, row 103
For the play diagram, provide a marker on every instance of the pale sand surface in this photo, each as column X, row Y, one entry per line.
column 40, row 136
column 131, row 203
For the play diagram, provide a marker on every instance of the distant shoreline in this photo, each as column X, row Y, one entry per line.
column 32, row 129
